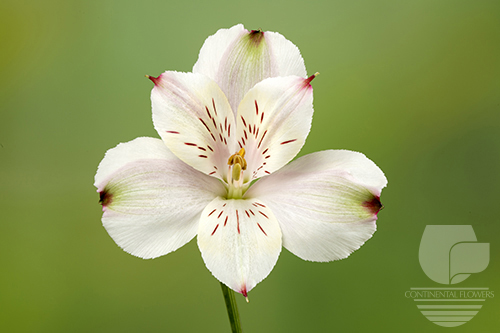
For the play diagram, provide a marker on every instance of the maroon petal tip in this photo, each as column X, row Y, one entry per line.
column 374, row 205
column 243, row 291
column 255, row 37
column 105, row 198
column 156, row 80
column 310, row 78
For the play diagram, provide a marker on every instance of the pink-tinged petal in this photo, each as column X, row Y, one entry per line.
column 237, row 59
column 326, row 203
column 215, row 47
column 285, row 55
column 195, row 121
column 144, row 189
column 272, row 123
column 240, row 242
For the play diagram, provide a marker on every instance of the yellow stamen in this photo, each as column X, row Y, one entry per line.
column 237, row 164
column 238, row 158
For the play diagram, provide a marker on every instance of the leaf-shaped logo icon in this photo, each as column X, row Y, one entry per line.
column 449, row 253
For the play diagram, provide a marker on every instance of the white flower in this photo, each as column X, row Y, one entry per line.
column 242, row 115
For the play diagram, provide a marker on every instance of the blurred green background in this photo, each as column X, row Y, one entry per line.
column 415, row 85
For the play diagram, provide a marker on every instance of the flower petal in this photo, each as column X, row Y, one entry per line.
column 237, row 59
column 273, row 121
column 194, row 119
column 144, row 189
column 240, row 242
column 326, row 203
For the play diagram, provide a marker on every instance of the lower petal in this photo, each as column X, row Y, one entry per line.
column 240, row 241
column 144, row 191
column 326, row 203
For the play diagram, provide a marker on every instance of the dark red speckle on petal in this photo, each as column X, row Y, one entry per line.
column 374, row 205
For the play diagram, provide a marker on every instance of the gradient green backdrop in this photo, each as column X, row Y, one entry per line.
column 415, row 85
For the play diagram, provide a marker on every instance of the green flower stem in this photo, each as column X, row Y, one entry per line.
column 232, row 308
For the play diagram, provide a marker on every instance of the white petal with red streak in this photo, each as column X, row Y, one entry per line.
column 145, row 188
column 326, row 203
column 273, row 122
column 194, row 119
column 237, row 59
column 240, row 242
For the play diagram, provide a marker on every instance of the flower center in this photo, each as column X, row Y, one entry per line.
column 236, row 164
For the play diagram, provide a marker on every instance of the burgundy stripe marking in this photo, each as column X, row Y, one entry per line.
column 173, row 132
column 212, row 212
column 256, row 108
column 229, row 131
column 213, row 232
column 257, row 224
column 247, row 213
column 208, row 129
column 259, row 204
column 211, row 173
column 201, row 148
column 213, row 103
column 225, row 221
column 244, row 122
column 210, row 148
column 208, row 112
column 289, row 141
column 251, row 212
column 238, row 221
column 263, row 135
column 264, row 215
column 261, row 117
column 190, row 144
column 220, row 213
column 265, row 151
column 202, row 156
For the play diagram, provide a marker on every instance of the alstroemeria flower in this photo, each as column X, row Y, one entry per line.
column 220, row 171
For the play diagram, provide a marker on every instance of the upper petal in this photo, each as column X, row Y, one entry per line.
column 237, row 59
column 240, row 242
column 195, row 121
column 326, row 203
column 151, row 200
column 273, row 121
